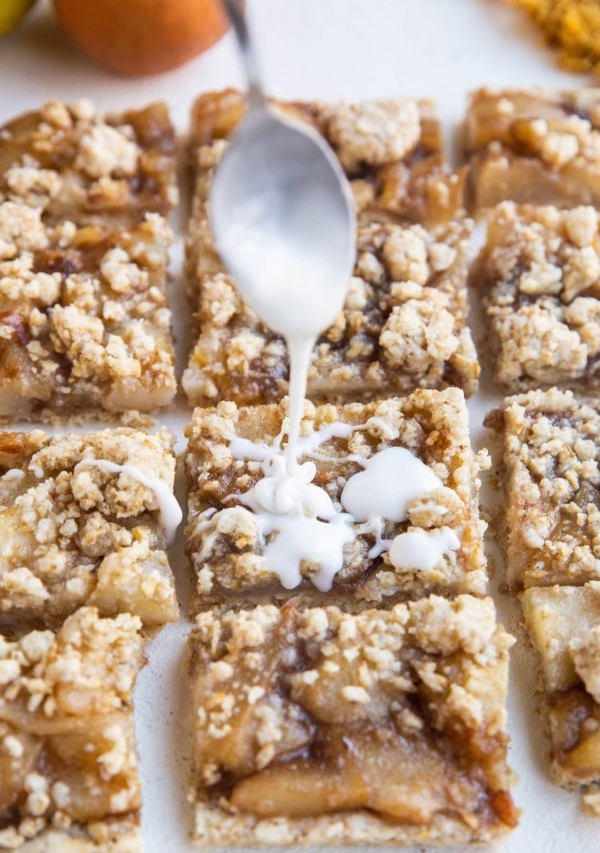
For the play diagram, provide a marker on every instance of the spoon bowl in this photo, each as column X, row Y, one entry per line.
column 283, row 221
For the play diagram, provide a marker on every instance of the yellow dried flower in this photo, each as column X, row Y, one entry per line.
column 570, row 26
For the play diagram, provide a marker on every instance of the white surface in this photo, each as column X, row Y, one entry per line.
column 327, row 49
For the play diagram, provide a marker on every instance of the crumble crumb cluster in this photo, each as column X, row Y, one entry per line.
column 84, row 321
column 77, row 164
column 404, row 322
column 534, row 146
column 223, row 542
column 74, row 533
column 539, row 273
column 318, row 726
column 68, row 767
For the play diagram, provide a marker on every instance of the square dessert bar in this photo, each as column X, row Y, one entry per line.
column 319, row 727
column 79, row 164
column 84, row 520
column 403, row 327
column 539, row 274
column 391, row 151
column 534, row 146
column 564, row 626
column 551, row 459
column 404, row 322
column 68, row 766
column 416, row 530
column 84, row 320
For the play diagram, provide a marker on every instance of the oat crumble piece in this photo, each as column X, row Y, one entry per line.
column 75, row 534
column 320, row 727
column 77, row 164
column 564, row 626
column 404, row 322
column 84, row 318
column 223, row 542
column 68, row 766
column 535, row 146
column 539, row 274
column 551, row 476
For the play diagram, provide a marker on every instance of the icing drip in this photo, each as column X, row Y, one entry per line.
column 14, row 474
column 391, row 480
column 168, row 506
column 305, row 522
column 420, row 550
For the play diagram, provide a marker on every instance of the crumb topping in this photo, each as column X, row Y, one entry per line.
column 552, row 458
column 72, row 162
column 562, row 129
column 373, row 132
column 84, row 320
column 541, row 271
column 76, row 535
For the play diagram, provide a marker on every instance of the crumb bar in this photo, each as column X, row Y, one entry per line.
column 84, row 320
column 534, row 146
column 404, row 322
column 319, row 727
column 68, row 766
column 403, row 326
column 235, row 559
column 391, row 151
column 77, row 164
column 82, row 521
column 564, row 626
column 539, row 274
column 551, row 475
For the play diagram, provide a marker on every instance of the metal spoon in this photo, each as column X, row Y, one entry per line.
column 282, row 213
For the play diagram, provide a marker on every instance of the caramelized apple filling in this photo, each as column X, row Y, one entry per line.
column 564, row 626
column 67, row 754
column 76, row 533
column 551, row 457
column 397, row 716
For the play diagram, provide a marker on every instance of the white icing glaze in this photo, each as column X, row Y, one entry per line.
column 14, row 474
column 391, row 480
column 168, row 506
column 297, row 521
column 420, row 550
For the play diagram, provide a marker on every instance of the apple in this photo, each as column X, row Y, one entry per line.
column 11, row 13
column 137, row 37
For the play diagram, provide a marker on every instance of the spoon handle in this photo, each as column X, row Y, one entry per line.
column 235, row 12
